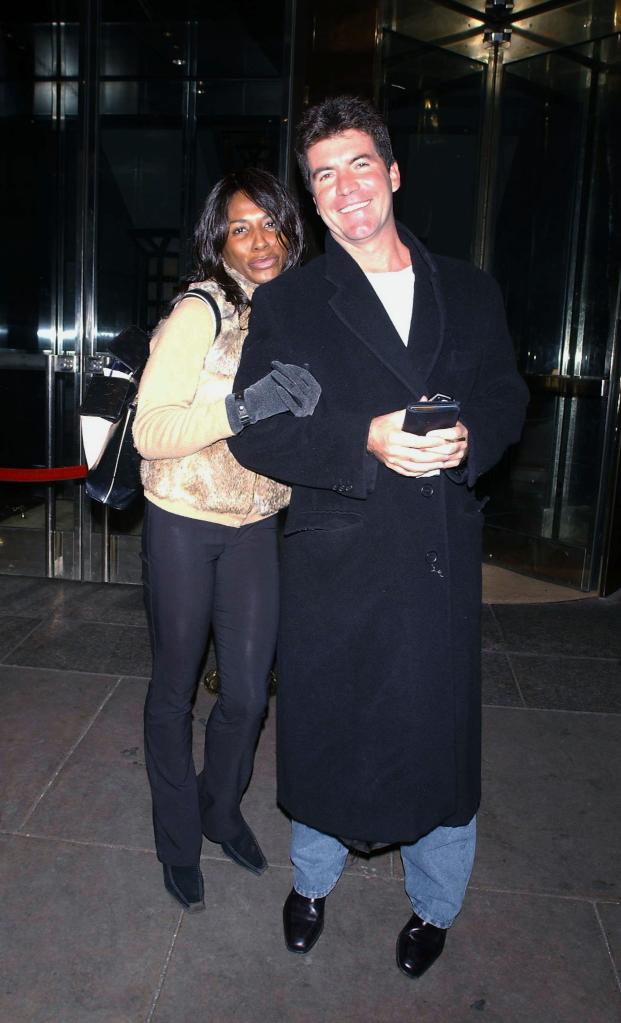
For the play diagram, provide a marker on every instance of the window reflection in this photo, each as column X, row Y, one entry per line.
column 156, row 163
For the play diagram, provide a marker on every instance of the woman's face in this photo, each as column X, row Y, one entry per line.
column 252, row 247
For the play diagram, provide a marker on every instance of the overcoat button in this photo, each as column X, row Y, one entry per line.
column 427, row 490
column 431, row 557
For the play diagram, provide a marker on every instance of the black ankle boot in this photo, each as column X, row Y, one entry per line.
column 418, row 946
column 185, row 884
column 303, row 921
column 245, row 850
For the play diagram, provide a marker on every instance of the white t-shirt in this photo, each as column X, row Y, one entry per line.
column 395, row 290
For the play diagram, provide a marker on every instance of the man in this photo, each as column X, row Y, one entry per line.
column 379, row 652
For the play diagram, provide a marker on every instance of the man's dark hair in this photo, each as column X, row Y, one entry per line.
column 212, row 230
column 333, row 116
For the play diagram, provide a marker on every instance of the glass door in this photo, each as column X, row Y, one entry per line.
column 39, row 68
column 510, row 156
column 557, row 257
column 116, row 120
column 181, row 101
column 433, row 102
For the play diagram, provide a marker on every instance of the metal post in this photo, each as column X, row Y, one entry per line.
column 105, row 543
column 188, row 187
column 50, row 505
column 86, row 336
column 605, row 571
column 285, row 163
column 490, row 133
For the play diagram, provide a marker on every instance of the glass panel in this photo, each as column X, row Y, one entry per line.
column 242, row 40
column 595, row 321
column 38, row 167
column 140, row 189
column 433, row 102
column 227, row 143
column 139, row 202
column 143, row 50
column 181, row 103
column 544, row 104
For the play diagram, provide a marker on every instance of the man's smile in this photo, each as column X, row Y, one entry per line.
column 354, row 206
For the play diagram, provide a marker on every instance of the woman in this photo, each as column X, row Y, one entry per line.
column 209, row 538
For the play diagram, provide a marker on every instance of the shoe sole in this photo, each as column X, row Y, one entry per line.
column 189, row 907
column 195, row 907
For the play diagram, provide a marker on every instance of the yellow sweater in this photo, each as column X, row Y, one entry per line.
column 181, row 421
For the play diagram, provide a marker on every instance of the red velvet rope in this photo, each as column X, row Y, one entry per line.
column 65, row 472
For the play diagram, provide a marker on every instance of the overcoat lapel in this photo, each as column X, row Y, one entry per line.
column 427, row 326
column 360, row 310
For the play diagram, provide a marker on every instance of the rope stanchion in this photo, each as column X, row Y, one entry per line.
column 64, row 472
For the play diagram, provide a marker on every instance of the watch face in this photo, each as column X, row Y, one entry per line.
column 243, row 411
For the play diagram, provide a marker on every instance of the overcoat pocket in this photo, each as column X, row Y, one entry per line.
column 314, row 521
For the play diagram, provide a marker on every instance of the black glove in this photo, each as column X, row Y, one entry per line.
column 288, row 388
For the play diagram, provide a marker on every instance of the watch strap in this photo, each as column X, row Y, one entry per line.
column 242, row 411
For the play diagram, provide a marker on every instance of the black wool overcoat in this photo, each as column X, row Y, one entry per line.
column 379, row 647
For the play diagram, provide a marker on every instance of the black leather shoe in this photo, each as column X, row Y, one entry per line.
column 303, row 921
column 245, row 850
column 418, row 946
column 185, row 884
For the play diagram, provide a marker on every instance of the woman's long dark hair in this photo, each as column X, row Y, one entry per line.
column 212, row 230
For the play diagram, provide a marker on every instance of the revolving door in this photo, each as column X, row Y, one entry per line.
column 510, row 152
column 117, row 118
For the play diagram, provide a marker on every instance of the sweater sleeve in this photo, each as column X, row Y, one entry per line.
column 172, row 419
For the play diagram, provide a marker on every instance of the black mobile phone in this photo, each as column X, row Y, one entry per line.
column 439, row 413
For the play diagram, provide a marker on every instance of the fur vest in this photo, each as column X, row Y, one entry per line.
column 211, row 480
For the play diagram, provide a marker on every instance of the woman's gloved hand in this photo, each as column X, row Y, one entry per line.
column 288, row 388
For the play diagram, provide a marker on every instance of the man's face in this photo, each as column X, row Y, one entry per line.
column 352, row 187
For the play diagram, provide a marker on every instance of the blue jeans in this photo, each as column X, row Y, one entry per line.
column 437, row 868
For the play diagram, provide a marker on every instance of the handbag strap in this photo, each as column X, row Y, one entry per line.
column 208, row 300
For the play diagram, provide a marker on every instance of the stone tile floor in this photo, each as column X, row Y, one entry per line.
column 88, row 934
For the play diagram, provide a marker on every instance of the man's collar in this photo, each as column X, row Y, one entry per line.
column 360, row 310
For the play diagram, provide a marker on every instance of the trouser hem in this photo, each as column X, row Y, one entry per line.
column 315, row 894
column 425, row 917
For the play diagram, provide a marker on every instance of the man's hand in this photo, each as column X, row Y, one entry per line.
column 411, row 455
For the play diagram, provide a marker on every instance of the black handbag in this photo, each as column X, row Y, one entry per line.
column 115, row 480
column 109, row 408
column 107, row 416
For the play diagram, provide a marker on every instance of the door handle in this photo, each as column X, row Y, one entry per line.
column 568, row 387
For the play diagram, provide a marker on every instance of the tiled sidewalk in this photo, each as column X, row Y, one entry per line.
column 90, row 936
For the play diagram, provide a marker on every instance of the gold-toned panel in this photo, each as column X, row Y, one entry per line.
column 449, row 26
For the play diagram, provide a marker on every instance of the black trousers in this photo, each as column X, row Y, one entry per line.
column 196, row 575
